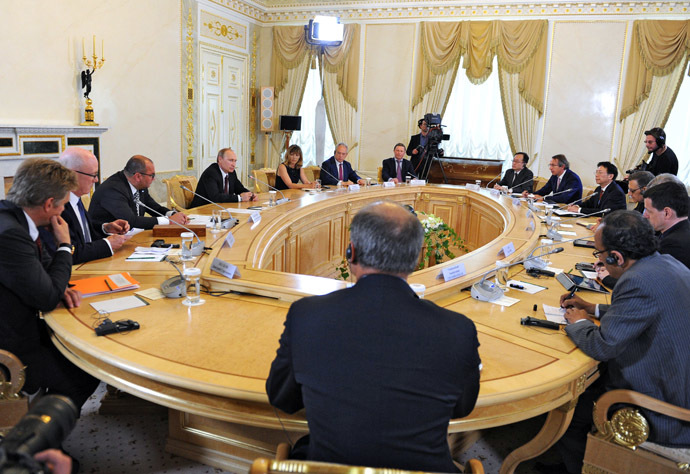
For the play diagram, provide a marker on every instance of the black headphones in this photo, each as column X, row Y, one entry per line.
column 350, row 254
column 611, row 260
column 658, row 134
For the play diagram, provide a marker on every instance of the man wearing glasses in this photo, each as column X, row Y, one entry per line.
column 637, row 185
column 643, row 333
column 89, row 241
column 564, row 185
column 119, row 196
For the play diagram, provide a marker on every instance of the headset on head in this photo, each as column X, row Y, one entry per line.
column 612, row 260
column 658, row 134
column 350, row 254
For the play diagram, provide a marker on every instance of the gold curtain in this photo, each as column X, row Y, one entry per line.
column 290, row 69
column 340, row 86
column 658, row 47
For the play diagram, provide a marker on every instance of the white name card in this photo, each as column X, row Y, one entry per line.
column 495, row 192
column 453, row 272
column 389, row 184
column 508, row 249
column 417, row 182
column 516, row 202
column 528, row 214
column 230, row 239
column 224, row 268
column 473, row 187
column 353, row 187
column 255, row 217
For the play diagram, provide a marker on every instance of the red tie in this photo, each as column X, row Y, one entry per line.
column 40, row 247
column 340, row 171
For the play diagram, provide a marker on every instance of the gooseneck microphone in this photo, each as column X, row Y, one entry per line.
column 552, row 233
column 323, row 170
column 174, row 287
column 412, row 174
column 539, row 263
column 279, row 201
column 488, row 291
column 197, row 248
column 227, row 223
column 579, row 200
column 495, row 178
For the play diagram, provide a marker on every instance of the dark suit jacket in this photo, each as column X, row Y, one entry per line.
column 613, row 198
column 27, row 284
column 83, row 251
column 643, row 336
column 414, row 143
column 676, row 242
column 522, row 177
column 380, row 379
column 570, row 181
column 389, row 169
column 113, row 200
column 211, row 186
column 330, row 165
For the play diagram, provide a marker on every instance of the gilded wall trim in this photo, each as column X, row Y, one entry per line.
column 189, row 95
column 222, row 29
column 278, row 11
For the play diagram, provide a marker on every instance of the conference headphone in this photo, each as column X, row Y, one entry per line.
column 350, row 254
column 658, row 134
column 612, row 260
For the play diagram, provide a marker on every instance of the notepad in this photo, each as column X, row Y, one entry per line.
column 104, row 284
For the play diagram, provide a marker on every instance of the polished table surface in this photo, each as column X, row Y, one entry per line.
column 212, row 360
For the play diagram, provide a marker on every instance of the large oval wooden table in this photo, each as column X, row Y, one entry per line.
column 209, row 364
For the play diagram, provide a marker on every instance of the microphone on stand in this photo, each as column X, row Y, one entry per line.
column 337, row 180
column 495, row 177
column 539, row 263
column 197, row 248
column 279, row 201
column 227, row 223
column 579, row 200
column 553, row 234
column 174, row 287
column 488, row 291
column 412, row 174
column 524, row 182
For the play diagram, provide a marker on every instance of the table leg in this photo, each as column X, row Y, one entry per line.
column 557, row 421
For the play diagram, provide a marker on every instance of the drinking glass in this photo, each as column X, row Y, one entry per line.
column 192, row 277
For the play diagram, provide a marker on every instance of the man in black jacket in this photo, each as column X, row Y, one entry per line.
column 608, row 195
column 30, row 281
column 666, row 207
column 519, row 178
column 219, row 182
column 119, row 197
column 379, row 386
column 397, row 168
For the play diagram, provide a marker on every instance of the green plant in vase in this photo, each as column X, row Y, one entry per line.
column 439, row 239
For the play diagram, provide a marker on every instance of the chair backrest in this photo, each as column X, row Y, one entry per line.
column 379, row 173
column 13, row 404
column 262, row 176
column 178, row 198
column 539, row 182
column 312, row 172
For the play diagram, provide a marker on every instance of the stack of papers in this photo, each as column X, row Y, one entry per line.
column 148, row 254
column 104, row 284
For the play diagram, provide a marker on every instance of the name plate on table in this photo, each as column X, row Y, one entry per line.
column 389, row 184
column 224, row 268
column 417, row 182
column 495, row 192
column 508, row 249
column 255, row 217
column 453, row 272
column 516, row 202
column 230, row 239
column 473, row 187
column 282, row 201
column 172, row 230
column 353, row 187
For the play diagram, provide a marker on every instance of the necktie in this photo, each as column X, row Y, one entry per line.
column 399, row 171
column 40, row 247
column 340, row 172
column 513, row 180
column 226, row 188
column 601, row 193
column 558, row 184
column 84, row 222
column 136, row 201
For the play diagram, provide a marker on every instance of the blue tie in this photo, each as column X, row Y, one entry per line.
column 84, row 222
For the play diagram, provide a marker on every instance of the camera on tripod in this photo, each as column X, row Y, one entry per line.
column 434, row 138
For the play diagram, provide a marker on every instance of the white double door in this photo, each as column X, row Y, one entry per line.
column 224, row 108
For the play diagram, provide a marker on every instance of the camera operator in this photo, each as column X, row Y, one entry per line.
column 418, row 143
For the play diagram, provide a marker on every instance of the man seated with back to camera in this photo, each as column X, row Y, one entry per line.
column 397, row 168
column 290, row 174
column 379, row 386
column 607, row 195
column 565, row 185
column 118, row 197
column 519, row 178
column 337, row 169
column 666, row 208
column 643, row 333
column 219, row 182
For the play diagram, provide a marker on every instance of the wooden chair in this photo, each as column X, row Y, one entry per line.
column 312, row 172
column 281, row 465
column 261, row 176
column 379, row 174
column 13, row 404
column 539, row 182
column 178, row 198
column 620, row 446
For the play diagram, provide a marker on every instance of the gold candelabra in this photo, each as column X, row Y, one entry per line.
column 91, row 64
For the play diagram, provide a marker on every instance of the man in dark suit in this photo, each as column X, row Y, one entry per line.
column 565, row 185
column 519, row 178
column 89, row 241
column 119, row 196
column 219, row 182
column 607, row 195
column 417, row 145
column 637, row 185
column 666, row 208
column 336, row 170
column 643, row 333
column 397, row 168
column 30, row 281
column 379, row 386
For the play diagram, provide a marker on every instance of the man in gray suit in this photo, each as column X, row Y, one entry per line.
column 643, row 334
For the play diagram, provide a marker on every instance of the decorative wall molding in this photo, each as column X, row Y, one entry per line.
column 222, row 29
column 286, row 11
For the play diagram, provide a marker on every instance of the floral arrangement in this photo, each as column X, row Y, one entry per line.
column 439, row 238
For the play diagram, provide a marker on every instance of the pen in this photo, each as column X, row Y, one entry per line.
column 142, row 258
column 519, row 287
column 107, row 283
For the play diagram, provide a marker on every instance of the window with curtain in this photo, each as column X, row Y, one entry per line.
column 677, row 128
column 474, row 120
column 306, row 138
